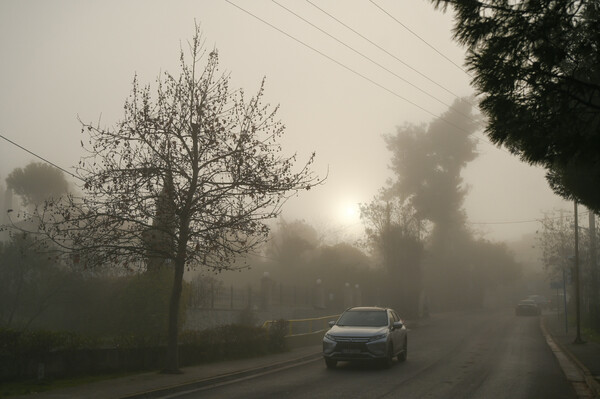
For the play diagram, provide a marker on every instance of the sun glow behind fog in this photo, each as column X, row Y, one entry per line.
column 349, row 213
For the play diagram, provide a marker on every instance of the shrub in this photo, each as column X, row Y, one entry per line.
column 77, row 354
column 19, row 350
column 277, row 332
column 225, row 342
column 247, row 317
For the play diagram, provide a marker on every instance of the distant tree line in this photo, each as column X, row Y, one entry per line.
column 298, row 256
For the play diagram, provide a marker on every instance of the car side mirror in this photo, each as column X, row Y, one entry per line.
column 397, row 325
column 331, row 323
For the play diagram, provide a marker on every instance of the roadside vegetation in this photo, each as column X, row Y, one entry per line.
column 30, row 386
column 40, row 360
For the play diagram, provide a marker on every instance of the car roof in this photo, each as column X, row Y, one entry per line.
column 525, row 301
column 366, row 308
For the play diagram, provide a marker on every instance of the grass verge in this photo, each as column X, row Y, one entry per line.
column 16, row 388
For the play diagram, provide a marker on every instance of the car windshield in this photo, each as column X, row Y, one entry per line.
column 363, row 318
column 537, row 298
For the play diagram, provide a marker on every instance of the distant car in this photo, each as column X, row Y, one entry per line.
column 527, row 307
column 366, row 333
column 540, row 300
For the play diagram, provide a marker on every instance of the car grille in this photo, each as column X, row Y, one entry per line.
column 342, row 346
column 351, row 339
column 351, row 345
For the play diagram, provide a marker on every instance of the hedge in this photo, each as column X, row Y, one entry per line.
column 65, row 354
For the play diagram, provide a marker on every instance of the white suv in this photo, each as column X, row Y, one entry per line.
column 366, row 333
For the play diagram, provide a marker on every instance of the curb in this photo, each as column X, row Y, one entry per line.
column 221, row 379
column 591, row 383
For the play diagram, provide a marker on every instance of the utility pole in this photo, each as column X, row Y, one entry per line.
column 578, row 339
column 566, row 312
column 593, row 272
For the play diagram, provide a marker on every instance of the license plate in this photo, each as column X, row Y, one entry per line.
column 351, row 351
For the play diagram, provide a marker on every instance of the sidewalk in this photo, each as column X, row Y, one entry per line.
column 148, row 385
column 585, row 357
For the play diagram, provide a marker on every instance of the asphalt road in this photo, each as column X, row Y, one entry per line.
column 473, row 355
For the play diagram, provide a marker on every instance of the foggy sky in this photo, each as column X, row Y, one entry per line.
column 64, row 59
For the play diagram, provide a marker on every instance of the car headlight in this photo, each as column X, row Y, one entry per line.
column 378, row 337
column 329, row 337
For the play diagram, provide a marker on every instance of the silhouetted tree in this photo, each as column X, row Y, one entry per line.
column 6, row 204
column 427, row 162
column 292, row 243
column 556, row 240
column 343, row 256
column 393, row 233
column 556, row 243
column 197, row 167
column 490, row 265
column 159, row 238
column 336, row 265
column 37, row 182
column 536, row 65
column 29, row 282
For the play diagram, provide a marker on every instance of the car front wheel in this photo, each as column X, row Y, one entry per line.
column 404, row 354
column 388, row 361
column 330, row 363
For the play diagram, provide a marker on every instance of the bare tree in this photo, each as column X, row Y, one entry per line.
column 185, row 180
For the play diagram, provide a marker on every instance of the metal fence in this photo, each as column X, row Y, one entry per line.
column 305, row 326
column 219, row 296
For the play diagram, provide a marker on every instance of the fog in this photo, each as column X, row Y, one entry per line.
column 448, row 217
column 64, row 60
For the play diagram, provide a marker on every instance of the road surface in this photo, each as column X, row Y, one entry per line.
column 456, row 355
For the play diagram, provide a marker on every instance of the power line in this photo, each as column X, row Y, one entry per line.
column 358, row 73
column 417, row 36
column 384, row 50
column 42, row 158
column 389, row 71
column 509, row 222
column 370, row 59
column 530, row 220
column 331, row 59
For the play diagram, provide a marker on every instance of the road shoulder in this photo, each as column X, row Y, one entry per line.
column 575, row 371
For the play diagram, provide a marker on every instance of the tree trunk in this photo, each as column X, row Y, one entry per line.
column 172, row 358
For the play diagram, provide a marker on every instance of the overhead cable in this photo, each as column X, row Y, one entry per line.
column 358, row 73
column 384, row 50
column 39, row 157
column 418, row 37
column 530, row 220
column 371, row 60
